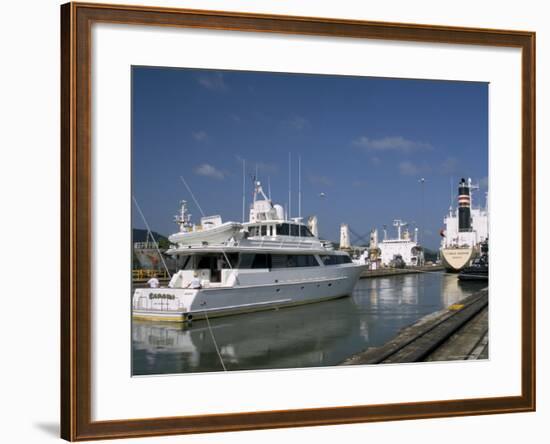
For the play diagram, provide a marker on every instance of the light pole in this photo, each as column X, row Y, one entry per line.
column 421, row 219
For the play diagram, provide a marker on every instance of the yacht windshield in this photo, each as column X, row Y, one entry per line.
column 296, row 230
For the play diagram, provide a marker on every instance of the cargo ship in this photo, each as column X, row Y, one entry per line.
column 466, row 229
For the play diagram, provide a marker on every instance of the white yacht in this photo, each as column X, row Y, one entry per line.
column 227, row 268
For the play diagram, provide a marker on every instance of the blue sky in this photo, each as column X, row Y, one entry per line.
column 364, row 142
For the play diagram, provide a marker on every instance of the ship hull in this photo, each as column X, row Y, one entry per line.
column 182, row 304
column 455, row 259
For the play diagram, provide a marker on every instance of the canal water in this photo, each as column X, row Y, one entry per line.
column 321, row 334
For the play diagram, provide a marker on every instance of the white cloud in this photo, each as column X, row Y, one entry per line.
column 392, row 143
column 297, row 123
column 213, row 81
column 449, row 166
column 408, row 168
column 320, row 180
column 266, row 168
column 263, row 167
column 208, row 170
column 200, row 136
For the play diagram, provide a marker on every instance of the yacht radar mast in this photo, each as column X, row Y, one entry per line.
column 262, row 209
column 183, row 218
column 259, row 190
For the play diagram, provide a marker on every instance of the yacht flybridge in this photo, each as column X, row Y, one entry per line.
column 227, row 268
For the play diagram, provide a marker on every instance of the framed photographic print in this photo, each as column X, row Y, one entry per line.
column 273, row 221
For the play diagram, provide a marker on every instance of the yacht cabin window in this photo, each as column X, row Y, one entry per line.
column 275, row 261
column 293, row 260
column 261, row 261
column 296, row 230
column 212, row 261
column 218, row 261
column 304, row 231
column 283, row 230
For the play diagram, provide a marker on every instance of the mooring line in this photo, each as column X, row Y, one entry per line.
column 214, row 340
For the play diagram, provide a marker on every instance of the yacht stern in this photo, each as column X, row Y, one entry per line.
column 163, row 304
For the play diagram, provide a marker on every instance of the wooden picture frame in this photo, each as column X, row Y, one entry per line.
column 76, row 239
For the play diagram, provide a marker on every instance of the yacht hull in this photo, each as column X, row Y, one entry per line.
column 183, row 305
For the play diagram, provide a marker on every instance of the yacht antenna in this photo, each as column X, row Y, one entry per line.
column 150, row 233
column 192, row 195
column 289, row 188
column 244, row 187
column 299, row 186
column 269, row 187
column 452, row 189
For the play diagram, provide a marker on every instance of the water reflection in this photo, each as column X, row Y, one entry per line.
column 308, row 336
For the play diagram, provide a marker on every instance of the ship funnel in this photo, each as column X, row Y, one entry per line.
column 464, row 200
